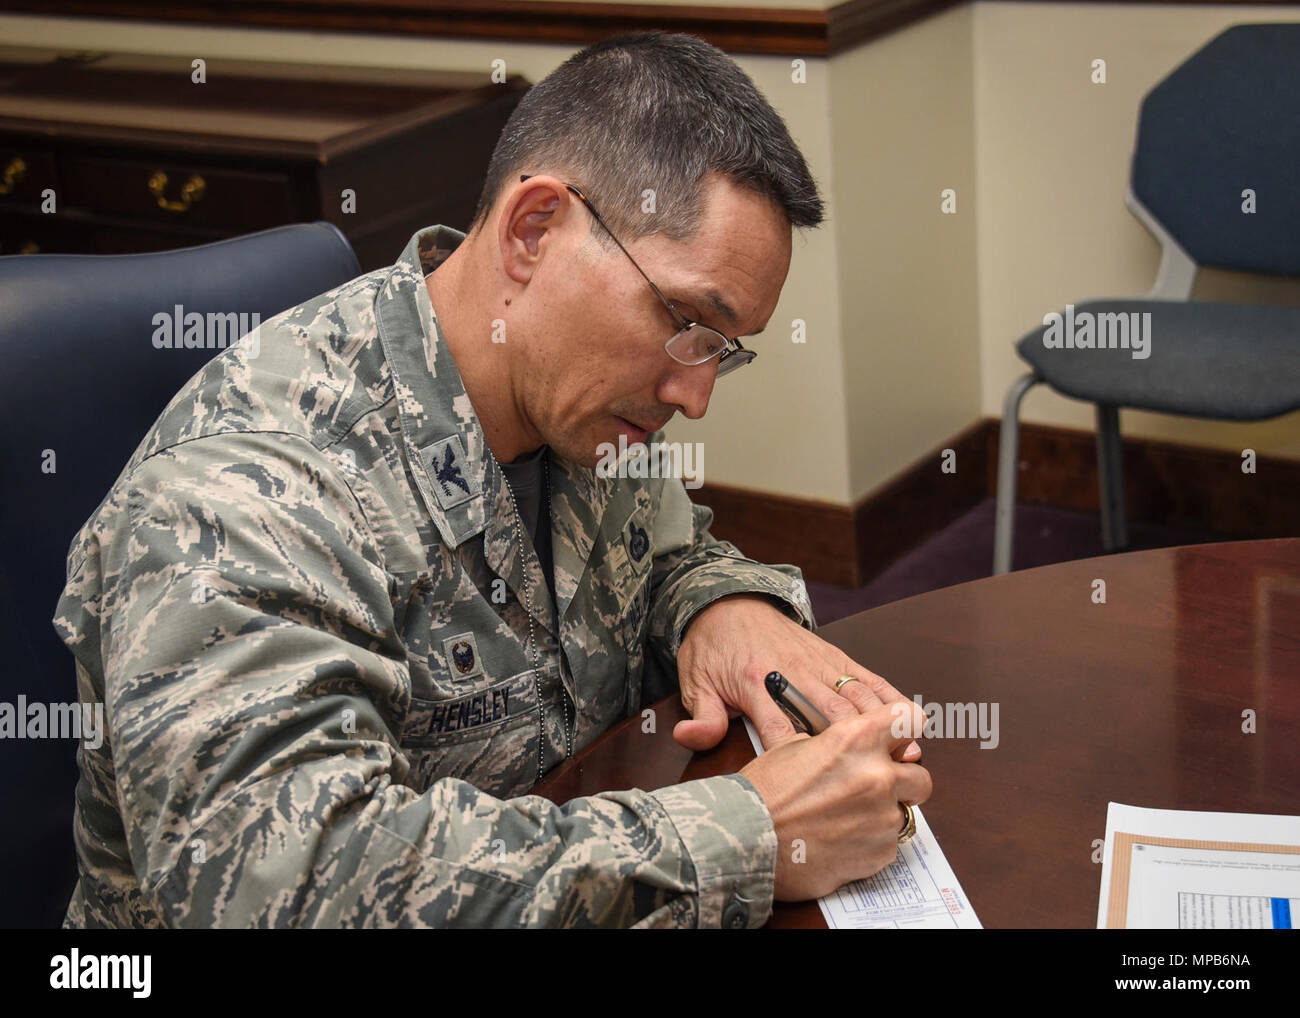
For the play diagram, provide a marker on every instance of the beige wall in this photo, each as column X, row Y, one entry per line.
column 910, row 314
column 904, row 131
column 781, row 425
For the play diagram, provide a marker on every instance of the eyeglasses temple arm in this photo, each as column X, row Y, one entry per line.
column 681, row 320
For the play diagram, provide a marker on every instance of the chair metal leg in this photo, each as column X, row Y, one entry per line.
column 1110, row 479
column 1008, row 456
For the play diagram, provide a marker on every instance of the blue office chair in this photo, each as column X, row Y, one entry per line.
column 1220, row 132
column 81, row 382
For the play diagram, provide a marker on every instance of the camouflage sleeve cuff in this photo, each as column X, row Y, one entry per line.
column 783, row 585
column 729, row 836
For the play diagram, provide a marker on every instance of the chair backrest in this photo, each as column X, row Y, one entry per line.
column 1225, row 122
column 82, row 379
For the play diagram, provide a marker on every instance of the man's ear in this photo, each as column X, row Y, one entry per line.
column 531, row 209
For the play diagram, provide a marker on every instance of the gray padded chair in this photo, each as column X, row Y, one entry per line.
column 1225, row 121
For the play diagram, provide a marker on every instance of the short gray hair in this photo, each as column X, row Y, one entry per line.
column 651, row 110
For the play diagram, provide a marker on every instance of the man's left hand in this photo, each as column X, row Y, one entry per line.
column 727, row 652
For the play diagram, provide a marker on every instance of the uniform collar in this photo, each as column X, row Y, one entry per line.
column 463, row 490
column 445, row 444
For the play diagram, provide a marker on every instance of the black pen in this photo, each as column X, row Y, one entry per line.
column 802, row 714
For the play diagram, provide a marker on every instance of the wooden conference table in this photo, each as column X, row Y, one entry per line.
column 1138, row 700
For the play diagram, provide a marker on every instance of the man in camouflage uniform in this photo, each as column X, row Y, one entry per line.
column 335, row 652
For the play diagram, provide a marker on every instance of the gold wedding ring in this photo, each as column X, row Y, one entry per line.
column 844, row 680
column 909, row 824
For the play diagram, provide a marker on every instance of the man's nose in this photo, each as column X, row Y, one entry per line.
column 689, row 387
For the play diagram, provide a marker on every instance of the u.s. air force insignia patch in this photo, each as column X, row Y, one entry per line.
column 462, row 656
column 445, row 461
column 636, row 540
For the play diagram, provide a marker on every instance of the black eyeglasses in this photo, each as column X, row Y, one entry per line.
column 692, row 343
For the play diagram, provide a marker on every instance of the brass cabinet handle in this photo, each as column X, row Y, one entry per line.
column 13, row 174
column 191, row 192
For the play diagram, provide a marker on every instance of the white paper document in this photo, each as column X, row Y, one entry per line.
column 1173, row 869
column 918, row 890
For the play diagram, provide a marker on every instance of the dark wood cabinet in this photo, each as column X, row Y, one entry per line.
column 138, row 155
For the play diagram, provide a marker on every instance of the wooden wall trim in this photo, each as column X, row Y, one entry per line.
column 779, row 30
column 815, row 536
column 919, row 502
column 1166, row 484
column 734, row 29
column 848, row 545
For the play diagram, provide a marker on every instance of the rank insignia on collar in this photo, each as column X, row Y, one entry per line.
column 447, row 466
column 462, row 656
column 636, row 539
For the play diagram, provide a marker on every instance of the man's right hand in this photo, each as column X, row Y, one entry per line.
column 839, row 794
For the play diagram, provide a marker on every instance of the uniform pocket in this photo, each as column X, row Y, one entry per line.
column 487, row 736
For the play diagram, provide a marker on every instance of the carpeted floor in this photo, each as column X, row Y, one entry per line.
column 964, row 551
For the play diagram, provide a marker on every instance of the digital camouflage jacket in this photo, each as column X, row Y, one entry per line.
column 303, row 606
